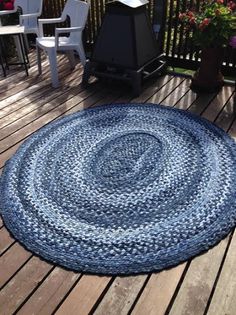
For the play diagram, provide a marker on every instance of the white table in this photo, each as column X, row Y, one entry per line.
column 17, row 44
column 18, row 31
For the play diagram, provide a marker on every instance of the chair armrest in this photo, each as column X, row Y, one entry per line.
column 30, row 15
column 61, row 30
column 65, row 30
column 48, row 21
column 51, row 21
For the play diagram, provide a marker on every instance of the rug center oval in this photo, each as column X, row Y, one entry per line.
column 126, row 158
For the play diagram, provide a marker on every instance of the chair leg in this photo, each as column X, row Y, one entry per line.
column 53, row 67
column 38, row 50
column 71, row 57
column 80, row 51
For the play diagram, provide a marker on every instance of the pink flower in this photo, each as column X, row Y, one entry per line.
column 231, row 5
column 233, row 41
column 206, row 21
column 220, row 1
column 192, row 21
column 182, row 16
column 190, row 14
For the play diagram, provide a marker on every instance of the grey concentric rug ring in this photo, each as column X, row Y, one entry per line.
column 121, row 189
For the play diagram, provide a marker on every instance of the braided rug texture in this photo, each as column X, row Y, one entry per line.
column 121, row 189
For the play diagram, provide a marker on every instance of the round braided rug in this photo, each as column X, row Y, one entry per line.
column 121, row 189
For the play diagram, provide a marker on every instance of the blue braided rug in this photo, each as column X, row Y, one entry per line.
column 121, row 189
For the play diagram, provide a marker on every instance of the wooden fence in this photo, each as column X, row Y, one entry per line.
column 173, row 41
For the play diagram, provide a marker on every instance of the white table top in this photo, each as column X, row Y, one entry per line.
column 11, row 29
column 4, row 12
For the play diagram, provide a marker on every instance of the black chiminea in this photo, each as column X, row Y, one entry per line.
column 126, row 47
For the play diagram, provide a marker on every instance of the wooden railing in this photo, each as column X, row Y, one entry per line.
column 173, row 41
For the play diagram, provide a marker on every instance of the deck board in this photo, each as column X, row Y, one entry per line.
column 224, row 297
column 22, row 284
column 5, row 240
column 52, row 291
column 121, row 295
column 29, row 285
column 158, row 292
column 84, row 295
column 198, row 282
column 11, row 261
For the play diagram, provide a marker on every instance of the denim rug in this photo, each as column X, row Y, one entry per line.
column 121, row 189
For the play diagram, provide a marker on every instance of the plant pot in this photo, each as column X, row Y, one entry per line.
column 208, row 78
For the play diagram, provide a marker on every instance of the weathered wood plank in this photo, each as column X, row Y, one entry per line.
column 28, row 82
column 176, row 94
column 19, row 287
column 8, row 154
column 151, row 88
column 36, row 110
column 84, row 295
column 232, row 130
column 196, row 288
column 227, row 115
column 121, row 295
column 5, row 240
column 83, row 100
column 18, row 74
column 201, row 103
column 155, row 298
column 50, row 293
column 14, row 76
column 26, row 89
column 187, row 100
column 224, row 298
column 218, row 103
column 11, row 261
column 18, row 108
column 164, row 93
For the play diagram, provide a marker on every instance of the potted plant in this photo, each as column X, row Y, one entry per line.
column 6, row 5
column 212, row 26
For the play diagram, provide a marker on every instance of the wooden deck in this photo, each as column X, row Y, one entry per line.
column 30, row 285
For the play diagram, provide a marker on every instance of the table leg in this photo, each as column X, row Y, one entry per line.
column 23, row 53
column 3, row 59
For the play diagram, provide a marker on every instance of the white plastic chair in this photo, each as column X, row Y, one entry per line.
column 31, row 10
column 77, row 11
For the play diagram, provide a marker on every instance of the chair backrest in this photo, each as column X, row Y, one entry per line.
column 27, row 7
column 77, row 11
